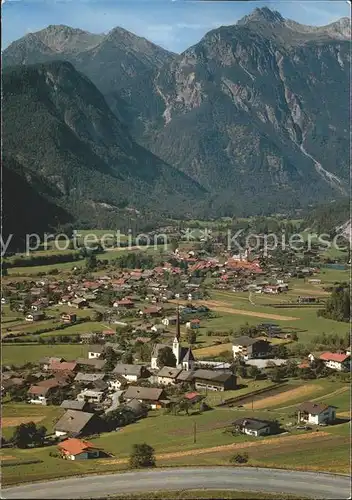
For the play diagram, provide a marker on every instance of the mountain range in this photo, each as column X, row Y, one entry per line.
column 252, row 119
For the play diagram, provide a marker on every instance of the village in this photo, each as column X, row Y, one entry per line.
column 218, row 350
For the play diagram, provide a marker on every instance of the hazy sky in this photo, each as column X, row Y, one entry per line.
column 173, row 24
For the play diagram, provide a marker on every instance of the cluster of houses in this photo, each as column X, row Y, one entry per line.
column 75, row 424
column 87, row 391
column 249, row 348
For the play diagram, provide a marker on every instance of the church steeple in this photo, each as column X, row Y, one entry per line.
column 176, row 344
column 178, row 333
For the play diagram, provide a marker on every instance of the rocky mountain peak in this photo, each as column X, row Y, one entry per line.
column 62, row 38
column 263, row 14
column 62, row 28
column 340, row 29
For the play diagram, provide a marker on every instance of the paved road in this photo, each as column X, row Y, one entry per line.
column 308, row 484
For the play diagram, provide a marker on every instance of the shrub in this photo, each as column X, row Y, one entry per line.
column 239, row 459
column 142, row 456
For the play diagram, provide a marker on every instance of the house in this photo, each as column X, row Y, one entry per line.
column 35, row 316
column 151, row 396
column 94, row 351
column 78, row 303
column 91, row 396
column 140, row 410
column 126, row 303
column 157, row 329
column 168, row 375
column 116, row 382
column 96, row 364
column 336, row 361
column 348, row 351
column 40, row 392
column 170, row 320
column 68, row 318
column 152, row 311
column 131, row 372
column 274, row 289
column 108, row 333
column 63, row 366
column 12, row 382
column 194, row 397
column 65, row 299
column 101, row 385
column 37, row 305
column 214, row 380
column 72, row 404
column 75, row 423
column 77, row 449
column 89, row 378
column 185, row 376
column 46, row 362
column 247, row 347
column 316, row 413
column 253, row 426
column 193, row 324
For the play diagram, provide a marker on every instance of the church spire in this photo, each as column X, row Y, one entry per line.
column 178, row 333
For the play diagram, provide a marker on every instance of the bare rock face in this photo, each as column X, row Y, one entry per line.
column 282, row 86
column 256, row 113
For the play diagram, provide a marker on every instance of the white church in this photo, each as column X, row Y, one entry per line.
column 184, row 355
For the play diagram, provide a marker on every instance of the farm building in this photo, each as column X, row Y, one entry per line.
column 336, row 361
column 214, row 380
column 74, row 423
column 151, row 396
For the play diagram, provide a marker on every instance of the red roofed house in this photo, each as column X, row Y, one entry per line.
column 127, row 303
column 39, row 393
column 64, row 366
column 336, row 361
column 107, row 333
column 78, row 449
column 90, row 285
column 194, row 323
column 153, row 311
column 119, row 281
column 304, row 365
column 194, row 397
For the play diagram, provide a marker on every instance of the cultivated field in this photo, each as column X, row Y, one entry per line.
column 19, row 413
column 22, row 354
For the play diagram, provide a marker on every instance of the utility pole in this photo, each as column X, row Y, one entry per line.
column 194, row 432
column 252, row 402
